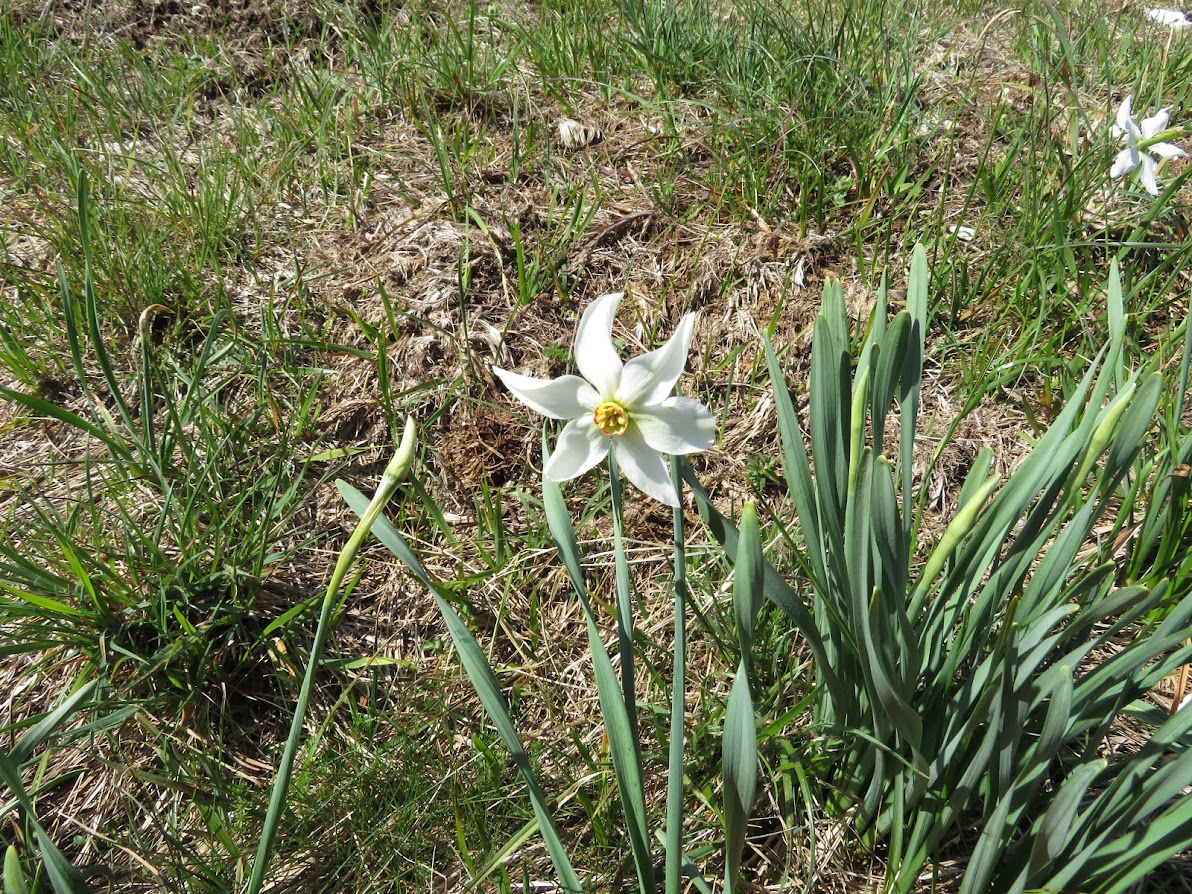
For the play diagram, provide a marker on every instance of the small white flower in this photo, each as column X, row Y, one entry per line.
column 626, row 408
column 1172, row 18
column 1134, row 156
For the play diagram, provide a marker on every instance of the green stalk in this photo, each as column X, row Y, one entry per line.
column 397, row 469
column 674, row 779
column 624, row 599
column 1161, row 137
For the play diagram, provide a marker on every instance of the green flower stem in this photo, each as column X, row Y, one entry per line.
column 624, row 599
column 674, row 779
column 395, row 472
column 1161, row 137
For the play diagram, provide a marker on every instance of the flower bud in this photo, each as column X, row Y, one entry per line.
column 403, row 459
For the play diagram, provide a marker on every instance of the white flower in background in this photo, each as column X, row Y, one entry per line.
column 1140, row 144
column 626, row 408
column 1172, row 18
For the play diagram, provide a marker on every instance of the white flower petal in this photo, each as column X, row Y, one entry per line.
column 1172, row 18
column 1147, row 175
column 581, row 446
column 651, row 377
column 677, row 426
column 1124, row 115
column 594, row 352
column 1126, row 161
column 1155, row 124
column 1167, row 150
column 563, row 398
column 644, row 467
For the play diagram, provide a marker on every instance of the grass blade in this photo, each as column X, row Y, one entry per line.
column 740, row 773
column 481, row 676
column 14, row 876
column 64, row 878
column 622, row 740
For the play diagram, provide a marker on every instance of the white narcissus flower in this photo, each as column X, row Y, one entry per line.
column 626, row 408
column 1172, row 18
column 1135, row 156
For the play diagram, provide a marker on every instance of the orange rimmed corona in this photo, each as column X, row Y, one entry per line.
column 610, row 417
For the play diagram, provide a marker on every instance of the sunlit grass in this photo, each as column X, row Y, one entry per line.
column 296, row 231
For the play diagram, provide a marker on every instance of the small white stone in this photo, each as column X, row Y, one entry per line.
column 573, row 135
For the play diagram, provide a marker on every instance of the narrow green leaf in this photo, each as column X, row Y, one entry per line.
column 977, row 475
column 43, row 602
column 1115, row 306
column 911, row 378
column 71, row 324
column 886, row 373
column 857, row 430
column 857, row 545
column 14, row 876
column 876, row 336
column 1185, row 373
column 483, row 681
column 1051, row 838
column 1135, row 425
column 1165, row 783
column 384, row 531
column 777, row 590
column 624, row 593
column 678, row 719
column 795, row 466
column 284, row 619
column 52, row 723
column 829, row 408
column 1115, row 604
column 747, row 583
column 888, row 536
column 64, row 878
column 51, row 411
column 622, row 742
column 1102, row 435
column 1055, row 724
column 1056, row 565
column 885, row 693
column 99, row 349
column 481, row 676
column 960, row 526
column 559, row 523
column 740, row 773
column 501, row 856
column 917, row 286
column 1128, row 859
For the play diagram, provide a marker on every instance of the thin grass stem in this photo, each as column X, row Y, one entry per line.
column 395, row 472
column 674, row 781
column 624, row 598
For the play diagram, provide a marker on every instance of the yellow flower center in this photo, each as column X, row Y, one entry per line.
column 610, row 417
